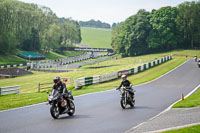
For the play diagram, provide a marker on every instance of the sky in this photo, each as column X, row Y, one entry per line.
column 108, row 11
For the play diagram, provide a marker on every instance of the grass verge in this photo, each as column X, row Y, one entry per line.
column 192, row 129
column 191, row 101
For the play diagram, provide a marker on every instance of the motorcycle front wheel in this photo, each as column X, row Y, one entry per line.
column 54, row 112
column 123, row 103
column 72, row 109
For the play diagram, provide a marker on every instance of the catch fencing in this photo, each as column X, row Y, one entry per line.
column 86, row 81
column 10, row 90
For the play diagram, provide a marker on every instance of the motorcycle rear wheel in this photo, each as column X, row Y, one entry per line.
column 54, row 112
column 132, row 103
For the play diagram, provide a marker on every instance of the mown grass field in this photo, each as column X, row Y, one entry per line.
column 96, row 37
column 29, row 83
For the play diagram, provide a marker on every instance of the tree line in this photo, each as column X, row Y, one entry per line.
column 34, row 28
column 95, row 24
column 159, row 30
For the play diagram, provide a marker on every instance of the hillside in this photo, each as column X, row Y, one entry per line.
column 96, row 37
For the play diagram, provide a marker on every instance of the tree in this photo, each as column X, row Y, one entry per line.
column 188, row 21
column 50, row 40
column 129, row 38
column 163, row 33
column 93, row 23
column 30, row 27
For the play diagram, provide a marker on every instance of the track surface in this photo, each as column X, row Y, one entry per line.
column 101, row 112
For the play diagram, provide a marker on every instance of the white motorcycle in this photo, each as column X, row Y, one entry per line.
column 126, row 97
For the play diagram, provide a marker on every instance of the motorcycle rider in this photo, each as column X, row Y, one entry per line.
column 61, row 87
column 127, row 84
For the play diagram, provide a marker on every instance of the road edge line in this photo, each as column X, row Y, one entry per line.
column 167, row 109
column 175, row 128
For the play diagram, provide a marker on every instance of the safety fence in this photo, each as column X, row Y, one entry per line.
column 51, row 63
column 86, row 81
column 10, row 90
column 61, row 62
column 49, row 70
column 15, row 65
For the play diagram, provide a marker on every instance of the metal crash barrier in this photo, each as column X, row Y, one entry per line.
column 10, row 90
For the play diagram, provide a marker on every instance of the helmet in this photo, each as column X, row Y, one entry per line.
column 56, row 79
column 123, row 76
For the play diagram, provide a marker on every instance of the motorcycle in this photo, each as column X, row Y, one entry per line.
column 59, row 105
column 198, row 63
column 126, row 97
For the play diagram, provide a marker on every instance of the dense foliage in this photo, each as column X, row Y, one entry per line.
column 160, row 30
column 34, row 28
column 95, row 24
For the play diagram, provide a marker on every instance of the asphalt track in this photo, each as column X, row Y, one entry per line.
column 101, row 112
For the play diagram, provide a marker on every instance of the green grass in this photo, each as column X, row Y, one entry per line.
column 29, row 83
column 191, row 101
column 192, row 129
column 53, row 55
column 148, row 74
column 12, row 59
column 96, row 37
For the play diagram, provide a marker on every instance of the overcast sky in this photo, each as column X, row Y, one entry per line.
column 108, row 11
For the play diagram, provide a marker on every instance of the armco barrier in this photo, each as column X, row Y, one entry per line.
column 96, row 79
column 107, row 77
column 10, row 90
column 16, row 65
column 126, row 72
column 88, row 81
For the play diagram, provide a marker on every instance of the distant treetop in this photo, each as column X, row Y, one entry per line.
column 95, row 24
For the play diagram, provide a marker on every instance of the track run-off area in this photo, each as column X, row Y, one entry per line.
column 101, row 112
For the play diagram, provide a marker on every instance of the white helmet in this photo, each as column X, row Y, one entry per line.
column 123, row 76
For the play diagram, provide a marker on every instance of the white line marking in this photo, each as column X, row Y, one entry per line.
column 167, row 109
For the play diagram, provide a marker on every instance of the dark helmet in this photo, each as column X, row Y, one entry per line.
column 56, row 80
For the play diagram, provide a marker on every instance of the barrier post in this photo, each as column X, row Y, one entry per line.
column 39, row 87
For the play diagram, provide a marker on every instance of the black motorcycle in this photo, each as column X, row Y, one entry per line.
column 59, row 105
column 198, row 63
column 126, row 97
